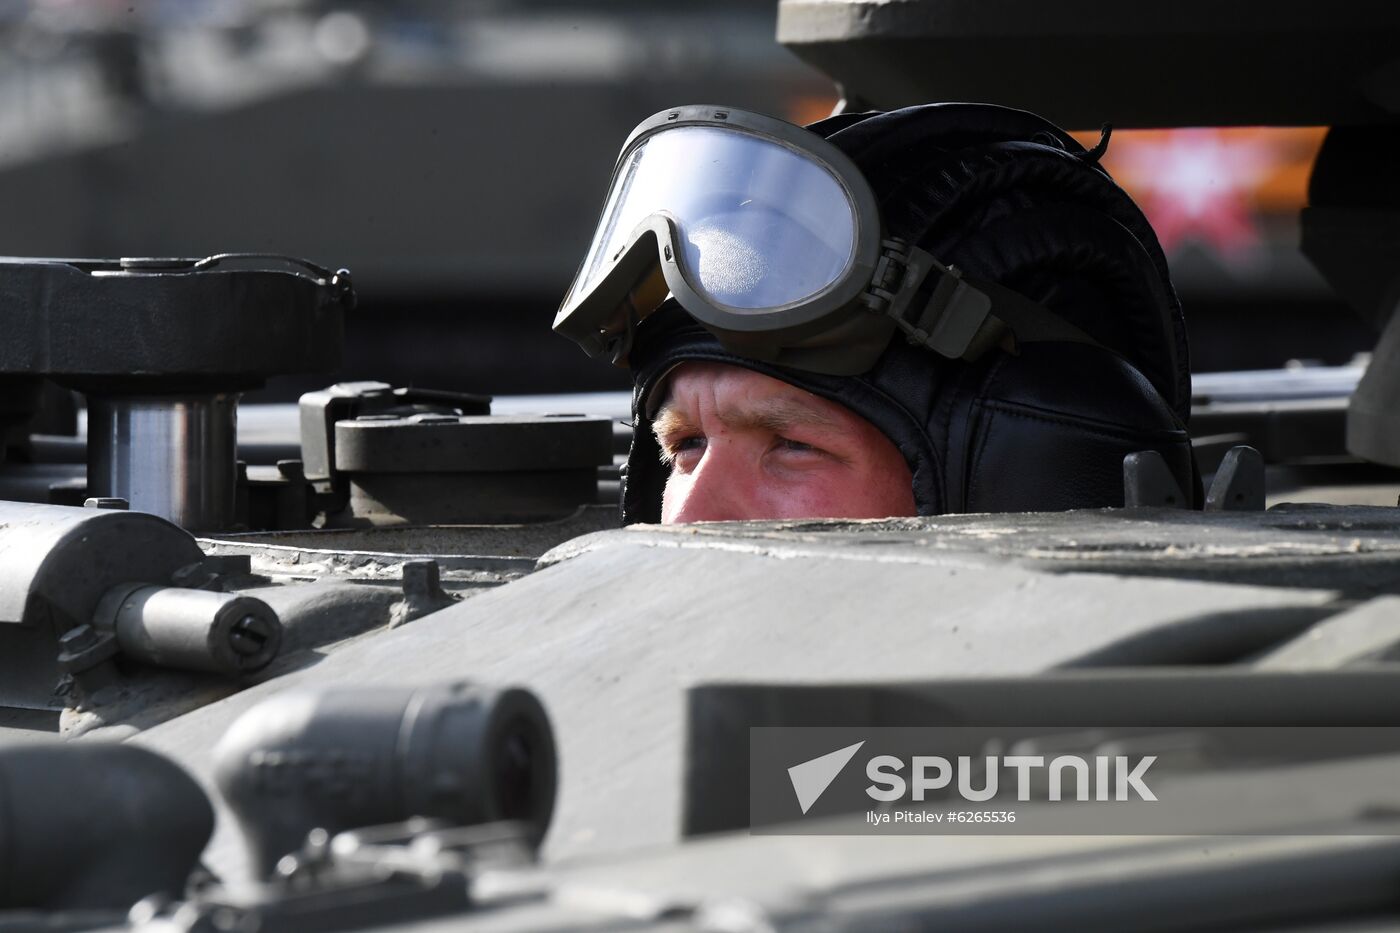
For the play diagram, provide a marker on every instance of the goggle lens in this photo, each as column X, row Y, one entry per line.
column 761, row 226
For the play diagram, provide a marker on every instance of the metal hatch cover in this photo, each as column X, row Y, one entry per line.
column 1085, row 62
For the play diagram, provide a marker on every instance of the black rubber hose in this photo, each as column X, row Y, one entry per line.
column 86, row 826
column 344, row 758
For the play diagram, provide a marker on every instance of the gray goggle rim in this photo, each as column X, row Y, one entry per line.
column 597, row 319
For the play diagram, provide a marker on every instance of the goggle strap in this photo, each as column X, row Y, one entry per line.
column 1030, row 321
column 619, row 345
column 937, row 307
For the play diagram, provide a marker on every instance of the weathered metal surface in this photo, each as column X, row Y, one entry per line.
column 319, row 411
column 1355, row 549
column 1238, row 485
column 1351, row 225
column 1085, row 62
column 1332, row 860
column 1273, row 385
column 387, row 499
column 985, row 883
column 324, row 612
column 70, row 556
column 475, row 554
column 433, row 443
column 625, row 621
column 1283, row 431
column 1372, row 422
column 1367, row 634
column 1148, row 483
column 162, row 347
column 1344, row 484
column 170, row 456
column 1048, row 710
column 113, row 321
column 313, row 615
column 55, row 564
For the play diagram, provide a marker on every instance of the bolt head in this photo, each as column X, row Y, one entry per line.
column 106, row 502
column 249, row 635
column 78, row 639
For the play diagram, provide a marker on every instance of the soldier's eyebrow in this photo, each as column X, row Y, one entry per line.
column 670, row 422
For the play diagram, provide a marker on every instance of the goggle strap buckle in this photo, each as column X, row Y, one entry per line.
column 933, row 305
column 936, row 306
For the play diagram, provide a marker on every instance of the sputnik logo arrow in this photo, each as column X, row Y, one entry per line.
column 811, row 778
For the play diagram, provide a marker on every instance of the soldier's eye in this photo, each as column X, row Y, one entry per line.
column 674, row 448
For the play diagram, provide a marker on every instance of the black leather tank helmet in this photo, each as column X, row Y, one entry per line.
column 1009, row 200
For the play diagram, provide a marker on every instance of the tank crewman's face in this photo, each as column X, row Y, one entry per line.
column 742, row 445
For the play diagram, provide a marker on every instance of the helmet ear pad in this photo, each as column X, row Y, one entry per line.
column 1048, row 429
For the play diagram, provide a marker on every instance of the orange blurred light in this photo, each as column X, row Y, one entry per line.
column 810, row 108
column 1281, row 188
column 1212, row 187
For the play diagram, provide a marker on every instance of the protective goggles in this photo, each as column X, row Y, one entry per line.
column 770, row 237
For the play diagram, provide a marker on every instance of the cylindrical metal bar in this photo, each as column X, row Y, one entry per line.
column 195, row 630
column 170, row 456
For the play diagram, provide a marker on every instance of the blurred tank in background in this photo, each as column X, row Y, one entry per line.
column 452, row 155
column 418, row 143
